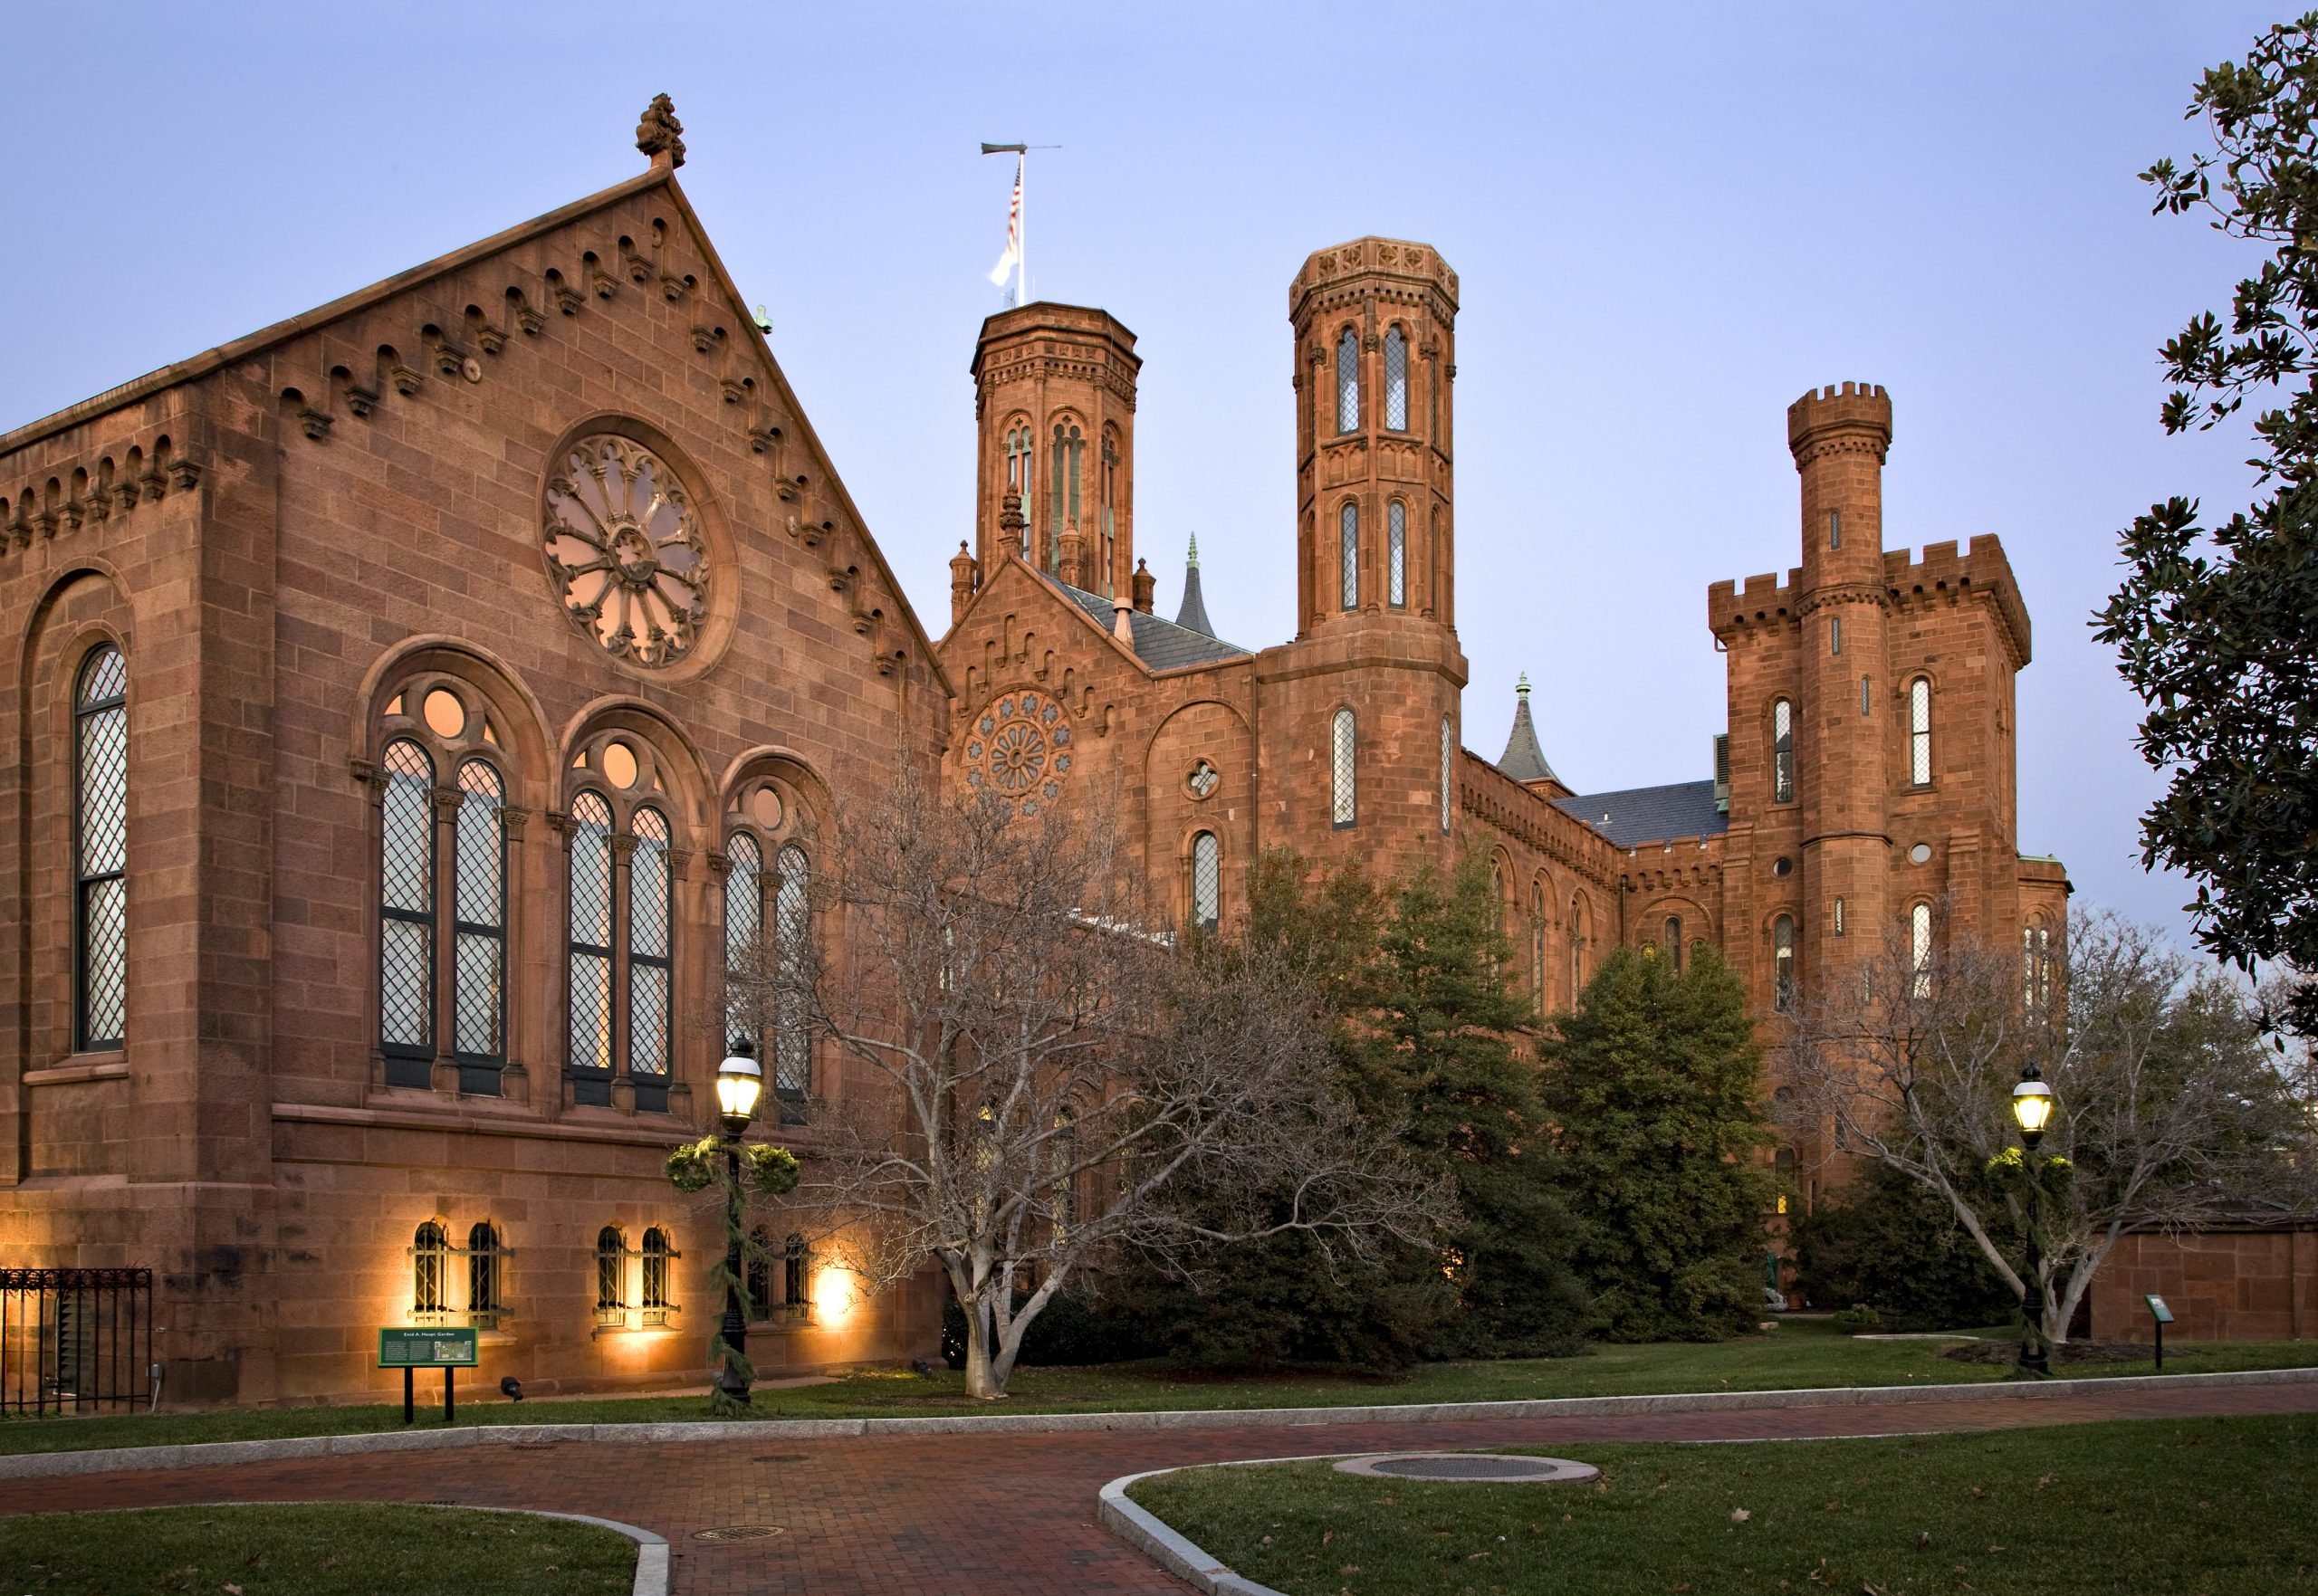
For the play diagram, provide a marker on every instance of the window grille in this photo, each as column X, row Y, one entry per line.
column 591, row 996
column 1673, row 943
column 479, row 930
column 1348, row 554
column 1834, row 634
column 1396, row 381
column 1919, row 732
column 1919, row 947
column 1341, row 749
column 407, row 902
column 1834, row 529
column 1207, row 882
column 1783, row 964
column 1396, row 547
column 649, row 968
column 1447, row 770
column 796, row 1275
column 1782, row 752
column 611, row 1276
column 430, row 1268
column 792, row 1073
column 744, row 923
column 101, row 845
column 1866, row 699
column 1839, row 917
column 1348, row 382
column 657, row 1255
column 485, row 1276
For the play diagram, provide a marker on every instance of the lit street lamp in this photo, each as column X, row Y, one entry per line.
column 738, row 1082
column 2032, row 1110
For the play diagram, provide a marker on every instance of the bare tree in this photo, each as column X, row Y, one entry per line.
column 2171, row 1113
column 1051, row 1070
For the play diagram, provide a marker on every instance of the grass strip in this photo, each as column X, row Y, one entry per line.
column 2201, row 1507
column 1800, row 1354
column 311, row 1550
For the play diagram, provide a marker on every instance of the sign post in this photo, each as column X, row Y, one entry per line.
column 2163, row 1316
column 411, row 1349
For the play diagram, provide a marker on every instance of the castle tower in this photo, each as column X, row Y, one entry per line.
column 1375, row 355
column 1054, row 398
column 1839, row 437
column 1360, row 739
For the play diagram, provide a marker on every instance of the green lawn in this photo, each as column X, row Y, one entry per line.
column 310, row 1551
column 2200, row 1507
column 1802, row 1352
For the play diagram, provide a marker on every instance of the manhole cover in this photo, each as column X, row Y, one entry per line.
column 1473, row 1467
column 738, row 1532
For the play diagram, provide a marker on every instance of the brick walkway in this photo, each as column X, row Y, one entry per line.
column 963, row 1516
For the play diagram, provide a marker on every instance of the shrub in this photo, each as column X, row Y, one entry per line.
column 1859, row 1316
column 1886, row 1242
column 1074, row 1327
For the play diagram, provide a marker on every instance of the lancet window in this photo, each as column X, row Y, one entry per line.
column 1782, row 752
column 1348, row 382
column 1919, row 732
column 621, row 971
column 1348, row 554
column 1397, row 554
column 1396, row 381
column 1343, row 745
column 101, row 851
column 1207, row 882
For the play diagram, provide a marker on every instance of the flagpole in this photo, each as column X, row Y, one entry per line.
column 1022, row 241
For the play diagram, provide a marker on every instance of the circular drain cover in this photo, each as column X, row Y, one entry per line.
column 1473, row 1467
column 738, row 1532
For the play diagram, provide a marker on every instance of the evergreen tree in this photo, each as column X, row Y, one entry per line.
column 1442, row 1046
column 1651, row 1088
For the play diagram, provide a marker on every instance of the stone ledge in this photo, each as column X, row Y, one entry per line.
column 214, row 1454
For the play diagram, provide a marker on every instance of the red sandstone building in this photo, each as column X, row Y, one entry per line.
column 412, row 699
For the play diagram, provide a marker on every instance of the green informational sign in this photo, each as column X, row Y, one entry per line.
column 2158, row 1310
column 427, row 1349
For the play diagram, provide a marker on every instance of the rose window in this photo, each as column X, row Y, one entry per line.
column 626, row 552
column 1019, row 749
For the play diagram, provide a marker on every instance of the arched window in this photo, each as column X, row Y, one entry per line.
column 101, row 851
column 1538, row 949
column 1447, row 770
column 1782, row 1177
column 1396, row 381
column 796, row 1274
column 1783, row 964
column 430, row 1265
column 656, row 1255
column 1672, row 941
column 1341, row 746
column 760, row 1272
column 479, row 928
column 1919, row 947
column 1839, row 917
column 611, row 1275
column 1782, row 752
column 1834, row 634
column 1065, row 1182
column 485, row 1285
column 1919, row 732
column 1017, row 478
column 1834, row 529
column 744, row 920
column 1397, row 554
column 1207, row 882
column 792, row 1069
column 1866, row 698
column 590, row 974
column 1348, row 382
column 1576, row 950
column 1348, row 554
column 407, row 910
column 649, row 970
column 1496, row 896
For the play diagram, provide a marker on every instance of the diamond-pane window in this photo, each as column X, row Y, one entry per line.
column 479, row 893
column 743, row 914
column 407, row 899
column 1919, row 732
column 1447, row 770
column 1207, row 882
column 1919, row 947
column 1783, row 964
column 1341, row 748
column 1396, row 381
column 1782, row 752
column 792, row 914
column 590, row 980
column 100, row 848
column 1348, row 382
column 648, row 974
column 1396, row 548
column 1348, row 554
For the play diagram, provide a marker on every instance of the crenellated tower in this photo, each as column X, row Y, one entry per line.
column 1054, row 398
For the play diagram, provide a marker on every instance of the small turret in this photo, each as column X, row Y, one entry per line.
column 1146, row 587
column 964, row 578
column 1193, row 614
column 1523, row 759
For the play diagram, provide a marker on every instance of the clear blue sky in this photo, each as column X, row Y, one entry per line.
column 1668, row 221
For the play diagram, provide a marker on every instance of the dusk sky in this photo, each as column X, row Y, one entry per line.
column 1668, row 221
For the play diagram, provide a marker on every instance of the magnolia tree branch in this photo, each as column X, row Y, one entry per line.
column 2171, row 1113
column 1038, row 1071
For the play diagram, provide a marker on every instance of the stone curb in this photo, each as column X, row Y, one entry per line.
column 1149, row 1534
column 214, row 1454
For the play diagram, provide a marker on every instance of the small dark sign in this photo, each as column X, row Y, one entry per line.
column 427, row 1349
column 2158, row 1310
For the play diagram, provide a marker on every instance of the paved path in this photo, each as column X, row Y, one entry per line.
column 976, row 1515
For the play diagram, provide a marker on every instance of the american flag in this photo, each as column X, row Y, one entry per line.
column 1013, row 255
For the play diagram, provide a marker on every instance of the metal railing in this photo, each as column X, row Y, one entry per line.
column 75, row 1340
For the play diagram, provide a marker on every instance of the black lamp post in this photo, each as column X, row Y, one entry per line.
column 2032, row 1109
column 739, row 1080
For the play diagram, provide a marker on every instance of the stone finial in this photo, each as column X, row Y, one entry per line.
column 1522, row 686
column 1146, row 587
column 659, row 135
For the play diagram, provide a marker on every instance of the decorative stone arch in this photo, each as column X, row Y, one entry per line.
column 514, row 709
column 684, row 794
column 722, row 596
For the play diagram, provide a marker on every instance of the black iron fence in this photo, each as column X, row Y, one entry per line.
column 75, row 1340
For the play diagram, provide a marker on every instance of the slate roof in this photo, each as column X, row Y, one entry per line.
column 1650, row 814
column 1161, row 644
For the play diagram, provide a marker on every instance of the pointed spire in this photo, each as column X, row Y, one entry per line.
column 1192, row 615
column 1523, row 759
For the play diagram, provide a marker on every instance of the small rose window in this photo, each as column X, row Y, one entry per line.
column 625, row 550
column 1203, row 779
column 1018, row 751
